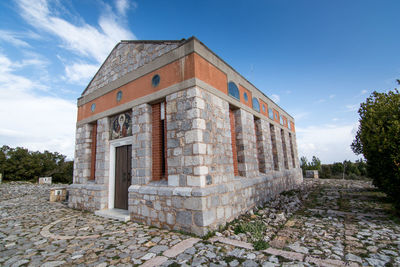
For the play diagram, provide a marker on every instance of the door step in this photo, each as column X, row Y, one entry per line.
column 115, row 214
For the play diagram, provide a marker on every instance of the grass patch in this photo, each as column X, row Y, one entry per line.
column 208, row 235
column 260, row 245
column 256, row 230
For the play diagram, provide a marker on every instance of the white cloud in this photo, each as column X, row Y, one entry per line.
column 320, row 101
column 332, row 96
column 275, row 98
column 330, row 143
column 32, row 121
column 122, row 6
column 84, row 39
column 80, row 73
column 12, row 38
column 363, row 92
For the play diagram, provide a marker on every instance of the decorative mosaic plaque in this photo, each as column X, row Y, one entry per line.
column 121, row 125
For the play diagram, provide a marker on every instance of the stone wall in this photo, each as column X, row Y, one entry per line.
column 202, row 192
column 84, row 193
column 82, row 159
column 246, row 145
column 264, row 146
column 198, row 139
column 126, row 57
column 141, row 144
column 199, row 210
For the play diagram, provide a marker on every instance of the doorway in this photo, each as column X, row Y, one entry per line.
column 123, row 161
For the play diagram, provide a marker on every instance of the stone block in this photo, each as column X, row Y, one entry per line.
column 196, row 181
column 173, row 180
column 58, row 194
column 45, row 180
column 184, row 217
column 204, row 218
column 193, row 160
column 182, row 191
column 199, row 148
column 200, row 170
column 195, row 203
column 193, row 136
column 199, row 124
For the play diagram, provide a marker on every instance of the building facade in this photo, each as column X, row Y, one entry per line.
column 172, row 136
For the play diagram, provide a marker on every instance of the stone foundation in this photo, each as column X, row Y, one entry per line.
column 199, row 210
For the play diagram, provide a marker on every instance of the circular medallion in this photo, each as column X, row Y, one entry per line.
column 93, row 107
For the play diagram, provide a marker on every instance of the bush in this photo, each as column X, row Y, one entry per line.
column 378, row 139
column 20, row 164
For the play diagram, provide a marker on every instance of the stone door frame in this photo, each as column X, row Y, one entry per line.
column 111, row 181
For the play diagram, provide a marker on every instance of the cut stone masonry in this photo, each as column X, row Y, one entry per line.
column 199, row 190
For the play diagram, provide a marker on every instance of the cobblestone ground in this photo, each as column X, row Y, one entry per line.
column 325, row 223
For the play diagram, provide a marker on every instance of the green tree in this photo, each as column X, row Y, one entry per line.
column 325, row 171
column 378, row 139
column 19, row 163
column 315, row 164
column 304, row 164
column 337, row 168
column 362, row 167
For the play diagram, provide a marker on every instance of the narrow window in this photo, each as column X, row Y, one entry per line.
column 233, row 138
column 159, row 165
column 259, row 145
column 285, row 157
column 292, row 150
column 274, row 149
column 93, row 152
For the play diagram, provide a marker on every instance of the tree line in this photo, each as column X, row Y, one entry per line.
column 20, row 164
column 337, row 170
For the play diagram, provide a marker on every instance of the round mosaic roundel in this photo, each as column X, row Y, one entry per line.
column 246, row 98
column 93, row 107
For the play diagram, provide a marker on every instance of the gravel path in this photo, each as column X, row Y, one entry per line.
column 324, row 222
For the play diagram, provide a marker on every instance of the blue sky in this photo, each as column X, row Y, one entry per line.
column 317, row 59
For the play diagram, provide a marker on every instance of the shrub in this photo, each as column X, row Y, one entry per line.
column 378, row 139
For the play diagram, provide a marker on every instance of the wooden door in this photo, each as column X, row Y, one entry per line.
column 122, row 176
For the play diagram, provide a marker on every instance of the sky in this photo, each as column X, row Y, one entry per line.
column 317, row 59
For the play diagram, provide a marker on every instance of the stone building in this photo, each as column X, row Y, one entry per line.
column 170, row 135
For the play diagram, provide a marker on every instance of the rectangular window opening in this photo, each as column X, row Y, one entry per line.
column 285, row 156
column 233, row 139
column 292, row 150
column 259, row 145
column 159, row 153
column 93, row 152
column 274, row 148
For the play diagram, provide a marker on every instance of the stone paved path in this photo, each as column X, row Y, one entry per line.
column 325, row 223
